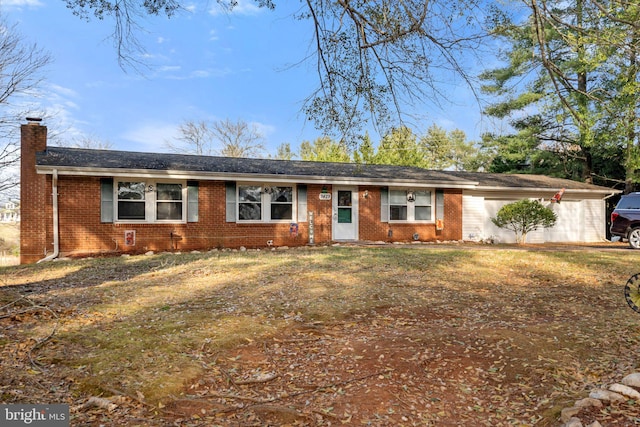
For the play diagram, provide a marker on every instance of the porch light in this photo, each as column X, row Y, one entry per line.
column 411, row 197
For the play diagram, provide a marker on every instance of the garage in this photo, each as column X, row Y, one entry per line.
column 581, row 211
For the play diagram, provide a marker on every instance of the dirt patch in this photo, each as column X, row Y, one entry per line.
column 383, row 370
column 391, row 368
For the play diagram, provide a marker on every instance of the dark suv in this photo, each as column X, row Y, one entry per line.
column 625, row 219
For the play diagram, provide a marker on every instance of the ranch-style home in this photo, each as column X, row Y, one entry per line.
column 89, row 202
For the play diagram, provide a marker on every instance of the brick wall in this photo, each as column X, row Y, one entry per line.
column 372, row 229
column 82, row 232
column 34, row 195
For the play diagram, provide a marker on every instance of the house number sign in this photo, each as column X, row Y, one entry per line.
column 325, row 196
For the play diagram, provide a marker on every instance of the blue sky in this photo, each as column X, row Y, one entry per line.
column 203, row 65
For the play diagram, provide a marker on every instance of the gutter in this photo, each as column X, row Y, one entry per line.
column 56, row 236
column 612, row 194
column 256, row 177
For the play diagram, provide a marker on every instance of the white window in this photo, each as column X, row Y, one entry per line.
column 265, row 203
column 410, row 206
column 132, row 202
column 169, row 202
column 398, row 205
column 150, row 201
column 249, row 203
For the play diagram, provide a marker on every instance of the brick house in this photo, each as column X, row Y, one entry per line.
column 86, row 202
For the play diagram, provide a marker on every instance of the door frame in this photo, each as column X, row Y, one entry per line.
column 354, row 213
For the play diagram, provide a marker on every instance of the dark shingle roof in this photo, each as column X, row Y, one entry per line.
column 505, row 180
column 62, row 157
column 101, row 160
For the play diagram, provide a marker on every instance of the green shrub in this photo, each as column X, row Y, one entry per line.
column 524, row 216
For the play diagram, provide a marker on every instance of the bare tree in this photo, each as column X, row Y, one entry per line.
column 195, row 138
column 376, row 60
column 21, row 65
column 238, row 139
column 221, row 137
column 94, row 143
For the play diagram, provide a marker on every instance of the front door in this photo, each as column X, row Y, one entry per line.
column 345, row 213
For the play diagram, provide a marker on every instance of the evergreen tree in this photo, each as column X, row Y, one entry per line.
column 400, row 147
column 364, row 153
column 284, row 152
column 324, row 149
column 569, row 89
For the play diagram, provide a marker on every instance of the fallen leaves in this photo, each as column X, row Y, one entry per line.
column 334, row 336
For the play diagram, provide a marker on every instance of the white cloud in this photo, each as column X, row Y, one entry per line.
column 244, row 7
column 264, row 129
column 174, row 73
column 60, row 91
column 190, row 8
column 60, row 108
column 21, row 3
column 216, row 72
column 60, row 103
column 169, row 68
column 200, row 74
column 151, row 136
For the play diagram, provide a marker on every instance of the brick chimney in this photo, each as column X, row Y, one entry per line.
column 35, row 194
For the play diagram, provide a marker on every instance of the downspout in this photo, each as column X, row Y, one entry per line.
column 56, row 237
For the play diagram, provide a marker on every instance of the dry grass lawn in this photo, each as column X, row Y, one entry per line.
column 419, row 335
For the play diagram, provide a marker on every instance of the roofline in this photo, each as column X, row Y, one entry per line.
column 538, row 189
column 211, row 176
column 302, row 179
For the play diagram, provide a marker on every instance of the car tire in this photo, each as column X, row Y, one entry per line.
column 634, row 238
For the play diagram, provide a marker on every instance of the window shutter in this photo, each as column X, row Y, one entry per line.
column 439, row 204
column 192, row 201
column 106, row 199
column 384, row 204
column 302, row 203
column 231, row 201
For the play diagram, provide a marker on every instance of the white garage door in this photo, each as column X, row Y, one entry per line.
column 570, row 224
column 578, row 220
column 492, row 206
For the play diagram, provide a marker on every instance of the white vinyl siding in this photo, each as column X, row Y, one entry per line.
column 570, row 222
column 578, row 220
column 595, row 223
column 473, row 218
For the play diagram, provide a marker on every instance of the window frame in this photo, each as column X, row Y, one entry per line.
column 151, row 201
column 265, row 203
column 411, row 206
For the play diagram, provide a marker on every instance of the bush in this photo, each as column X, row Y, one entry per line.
column 524, row 216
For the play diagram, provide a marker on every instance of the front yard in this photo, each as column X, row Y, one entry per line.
column 379, row 336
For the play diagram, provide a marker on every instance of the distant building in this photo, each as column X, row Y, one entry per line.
column 10, row 212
